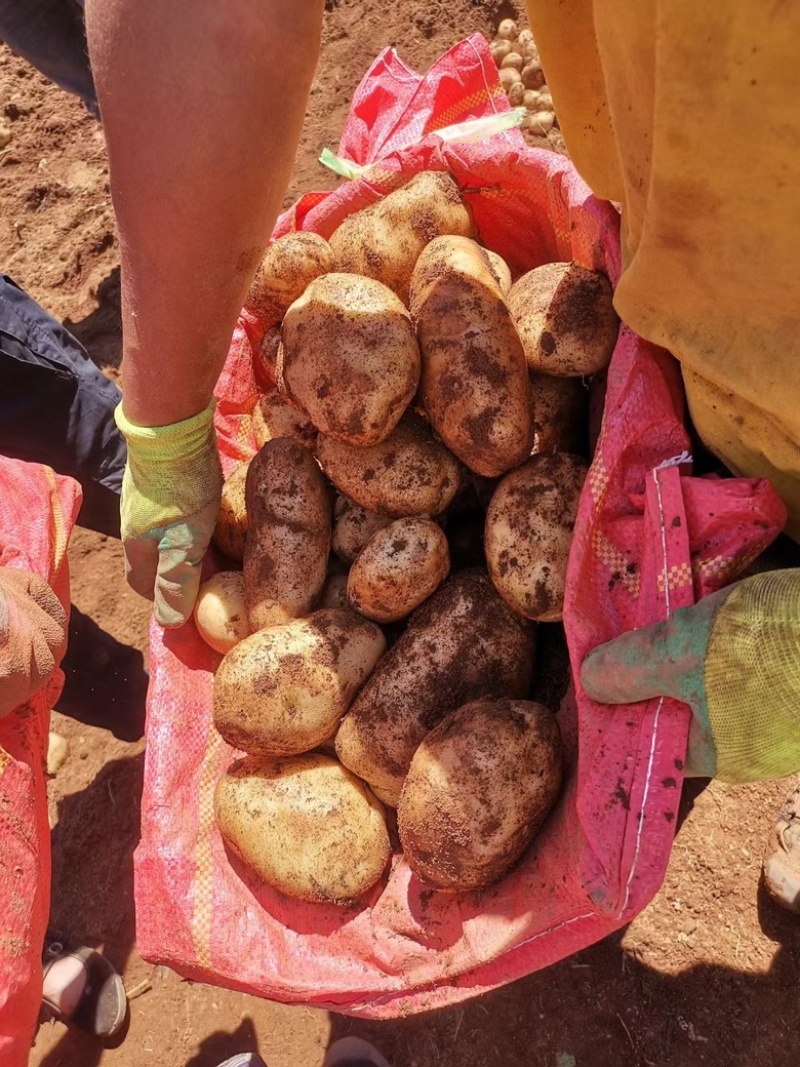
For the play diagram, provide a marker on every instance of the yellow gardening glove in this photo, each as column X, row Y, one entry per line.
column 33, row 636
column 170, row 502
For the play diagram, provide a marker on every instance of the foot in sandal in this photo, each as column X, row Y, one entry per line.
column 81, row 988
column 354, row 1052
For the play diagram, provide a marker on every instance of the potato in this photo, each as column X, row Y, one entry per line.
column 288, row 266
column 500, row 270
column 513, row 59
column 219, row 611
column 530, row 99
column 399, row 568
column 353, row 526
column 509, row 76
column 524, row 39
column 545, row 99
column 230, row 532
column 479, row 788
column 334, row 592
column 516, row 95
column 265, row 360
column 284, row 689
column 474, row 380
column 532, row 76
column 528, row 535
column 559, row 411
column 289, row 533
column 462, row 644
column 410, row 473
column 349, row 358
column 304, row 825
column 274, row 416
column 500, row 49
column 541, row 122
column 565, row 319
column 507, row 30
column 383, row 241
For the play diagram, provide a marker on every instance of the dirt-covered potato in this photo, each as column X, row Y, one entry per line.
column 219, row 611
column 304, row 825
column 479, row 788
column 265, row 360
column 349, row 358
column 284, row 689
column 500, row 269
column 334, row 592
column 410, row 473
column 353, row 526
column 274, row 416
column 474, row 382
column 559, row 412
column 399, row 568
column 230, row 533
column 529, row 528
column 462, row 644
column 384, row 241
column 289, row 533
column 565, row 318
column 288, row 266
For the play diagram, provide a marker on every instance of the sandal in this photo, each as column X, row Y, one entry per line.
column 782, row 861
column 102, row 1008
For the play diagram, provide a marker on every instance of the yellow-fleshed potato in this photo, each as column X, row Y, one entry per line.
column 289, row 533
column 284, row 689
column 479, row 788
column 462, row 644
column 559, row 411
column 353, row 526
column 384, row 241
column 288, row 266
column 410, row 473
column 399, row 568
column 219, row 611
column 528, row 536
column 474, row 382
column 230, row 533
column 565, row 318
column 274, row 416
column 349, row 358
column 305, row 826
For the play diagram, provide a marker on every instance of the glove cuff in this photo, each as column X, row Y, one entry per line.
column 186, row 438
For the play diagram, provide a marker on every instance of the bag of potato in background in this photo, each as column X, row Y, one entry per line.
column 649, row 538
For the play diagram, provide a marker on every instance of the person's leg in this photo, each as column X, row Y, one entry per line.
column 57, row 408
column 782, row 861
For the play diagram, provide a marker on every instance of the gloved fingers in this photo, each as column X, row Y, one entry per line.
column 181, row 551
column 141, row 563
column 33, row 636
column 630, row 668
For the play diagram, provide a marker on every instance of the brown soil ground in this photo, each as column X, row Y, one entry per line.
column 708, row 974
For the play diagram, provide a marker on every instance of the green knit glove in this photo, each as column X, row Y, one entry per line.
column 734, row 658
column 170, row 502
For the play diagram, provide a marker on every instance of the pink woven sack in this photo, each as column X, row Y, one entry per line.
column 649, row 538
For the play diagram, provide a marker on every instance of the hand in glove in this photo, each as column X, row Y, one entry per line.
column 33, row 636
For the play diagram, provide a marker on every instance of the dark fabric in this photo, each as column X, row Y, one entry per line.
column 57, row 408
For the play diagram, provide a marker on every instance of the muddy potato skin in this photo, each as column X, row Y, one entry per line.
column 230, row 533
column 462, row 644
column 500, row 270
column 353, row 526
column 274, row 416
column 410, row 473
column 334, row 592
column 283, row 690
column 479, row 788
column 220, row 613
column 288, row 266
column 349, row 358
column 401, row 566
column 565, row 318
column 304, row 825
column 384, row 241
column 529, row 526
column 474, row 383
column 559, row 413
column 265, row 358
column 289, row 533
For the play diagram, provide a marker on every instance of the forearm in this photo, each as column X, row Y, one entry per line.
column 202, row 105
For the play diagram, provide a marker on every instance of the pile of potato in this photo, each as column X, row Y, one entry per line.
column 521, row 75
column 401, row 531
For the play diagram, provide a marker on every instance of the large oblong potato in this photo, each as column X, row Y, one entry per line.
column 479, row 788
column 288, row 266
column 474, row 383
column 284, row 689
column 289, row 533
column 410, row 473
column 305, row 825
column 399, row 568
column 384, row 240
column 349, row 357
column 462, row 644
column 528, row 535
column 230, row 532
column 274, row 416
column 353, row 526
column 565, row 318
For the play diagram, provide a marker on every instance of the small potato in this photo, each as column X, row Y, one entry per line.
column 542, row 122
column 220, row 613
column 499, row 50
column 353, row 526
column 529, row 528
column 479, row 788
column 401, row 566
column 230, row 532
column 532, row 76
column 500, row 270
column 545, row 99
column 509, row 76
column 410, row 473
column 507, row 30
column 284, row 689
column 530, row 98
column 305, row 825
column 559, row 411
column 516, row 94
column 288, row 266
column 265, row 361
column 349, row 358
column 334, row 592
column 513, row 59
column 274, row 416
column 289, row 533
column 524, row 39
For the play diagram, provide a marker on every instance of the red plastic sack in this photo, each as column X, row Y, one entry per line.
column 37, row 512
column 649, row 539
